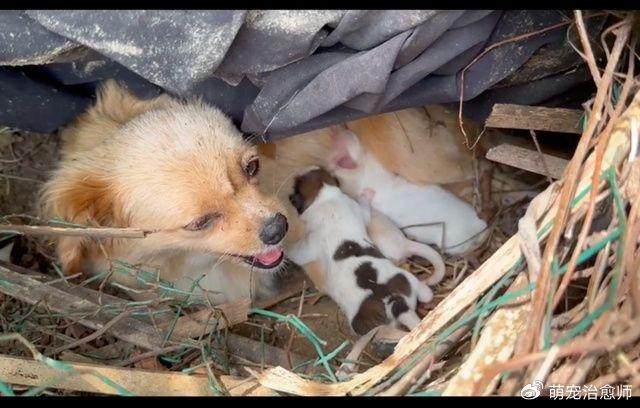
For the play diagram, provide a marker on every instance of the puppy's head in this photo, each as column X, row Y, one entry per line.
column 307, row 187
column 182, row 170
column 346, row 158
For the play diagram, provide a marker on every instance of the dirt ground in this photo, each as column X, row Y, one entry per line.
column 25, row 160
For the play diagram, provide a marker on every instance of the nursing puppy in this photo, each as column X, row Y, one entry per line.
column 180, row 169
column 368, row 287
column 427, row 213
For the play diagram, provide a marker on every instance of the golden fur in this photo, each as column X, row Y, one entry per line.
column 157, row 165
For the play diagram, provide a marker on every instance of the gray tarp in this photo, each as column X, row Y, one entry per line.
column 281, row 72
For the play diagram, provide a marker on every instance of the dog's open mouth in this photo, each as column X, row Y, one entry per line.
column 266, row 260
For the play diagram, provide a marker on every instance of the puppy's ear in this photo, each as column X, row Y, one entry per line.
column 83, row 198
column 346, row 148
column 297, row 201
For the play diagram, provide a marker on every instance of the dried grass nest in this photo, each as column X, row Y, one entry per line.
column 499, row 331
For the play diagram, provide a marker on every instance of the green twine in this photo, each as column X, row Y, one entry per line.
column 302, row 328
column 331, row 355
column 586, row 322
column 5, row 390
column 429, row 393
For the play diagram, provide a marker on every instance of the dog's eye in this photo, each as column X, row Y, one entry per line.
column 252, row 167
column 201, row 223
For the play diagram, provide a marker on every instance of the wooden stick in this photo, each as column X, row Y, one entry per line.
column 586, row 47
column 82, row 232
column 529, row 160
column 15, row 370
column 93, row 335
column 511, row 116
column 204, row 321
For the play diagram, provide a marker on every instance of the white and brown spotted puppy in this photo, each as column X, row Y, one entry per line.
column 181, row 169
column 368, row 287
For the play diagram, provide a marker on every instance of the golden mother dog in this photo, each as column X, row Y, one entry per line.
column 219, row 211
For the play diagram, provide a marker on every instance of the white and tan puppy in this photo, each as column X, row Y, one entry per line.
column 368, row 287
column 426, row 213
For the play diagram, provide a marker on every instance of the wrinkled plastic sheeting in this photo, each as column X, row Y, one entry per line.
column 275, row 72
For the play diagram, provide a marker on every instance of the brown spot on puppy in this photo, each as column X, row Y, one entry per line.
column 307, row 187
column 399, row 284
column 398, row 305
column 349, row 248
column 371, row 314
column 367, row 277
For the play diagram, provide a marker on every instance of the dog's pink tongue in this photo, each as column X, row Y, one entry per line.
column 269, row 257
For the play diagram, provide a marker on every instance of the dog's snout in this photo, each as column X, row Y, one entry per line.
column 274, row 229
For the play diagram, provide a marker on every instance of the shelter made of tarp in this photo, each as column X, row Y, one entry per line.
column 278, row 73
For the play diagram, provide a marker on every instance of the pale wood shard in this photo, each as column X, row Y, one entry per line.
column 16, row 370
column 510, row 116
column 496, row 345
column 529, row 160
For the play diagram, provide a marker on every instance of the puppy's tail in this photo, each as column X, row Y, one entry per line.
column 431, row 255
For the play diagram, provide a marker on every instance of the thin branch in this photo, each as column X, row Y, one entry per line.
column 82, row 232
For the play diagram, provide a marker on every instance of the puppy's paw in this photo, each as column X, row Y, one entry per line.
column 425, row 294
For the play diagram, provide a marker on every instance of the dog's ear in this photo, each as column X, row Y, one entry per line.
column 346, row 147
column 83, row 198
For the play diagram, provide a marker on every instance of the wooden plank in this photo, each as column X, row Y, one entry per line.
column 528, row 160
column 509, row 116
column 22, row 371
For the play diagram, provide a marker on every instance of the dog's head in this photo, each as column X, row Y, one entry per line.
column 307, row 187
column 182, row 170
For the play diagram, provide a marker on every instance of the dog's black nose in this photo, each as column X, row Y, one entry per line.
column 274, row 230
